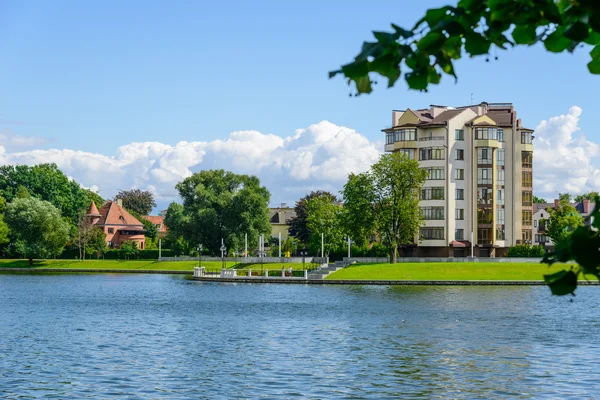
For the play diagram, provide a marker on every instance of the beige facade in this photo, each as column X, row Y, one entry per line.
column 279, row 217
column 479, row 186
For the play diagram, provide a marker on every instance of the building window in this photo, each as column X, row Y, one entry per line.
column 500, row 234
column 432, row 212
column 459, row 214
column 484, row 196
column 526, row 236
column 484, row 155
column 431, row 153
column 432, row 193
column 460, row 154
column 526, row 159
column 432, row 233
column 389, row 138
column 460, row 194
column 110, row 244
column 500, row 135
column 459, row 174
column 486, row 133
column 541, row 238
column 500, row 157
column 527, row 179
column 484, row 215
column 484, row 176
column 408, row 152
column 484, row 236
column 526, row 137
column 535, row 223
column 435, row 173
column 526, row 218
column 500, row 177
column 500, row 197
column 500, row 216
column 402, row 135
column 111, row 230
column 459, row 134
column 527, row 198
column 459, row 234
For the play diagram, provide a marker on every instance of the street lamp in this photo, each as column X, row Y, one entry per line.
column 200, row 255
column 223, row 250
column 303, row 254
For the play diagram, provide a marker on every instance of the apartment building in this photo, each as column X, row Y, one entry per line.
column 478, row 190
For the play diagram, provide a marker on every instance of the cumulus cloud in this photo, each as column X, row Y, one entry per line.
column 318, row 157
column 564, row 160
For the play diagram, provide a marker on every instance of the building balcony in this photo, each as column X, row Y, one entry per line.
column 486, row 143
column 406, row 144
column 427, row 138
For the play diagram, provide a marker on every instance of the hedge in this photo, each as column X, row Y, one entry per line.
column 118, row 255
column 525, row 250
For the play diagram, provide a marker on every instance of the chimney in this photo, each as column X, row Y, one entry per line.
column 283, row 205
column 556, row 203
column 120, row 202
column 586, row 206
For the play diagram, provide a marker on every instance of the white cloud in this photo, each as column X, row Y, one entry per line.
column 318, row 157
column 12, row 142
column 563, row 159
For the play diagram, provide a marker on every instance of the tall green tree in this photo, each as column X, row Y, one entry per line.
column 586, row 196
column 139, row 201
column 46, row 182
column 37, row 227
column 429, row 48
column 298, row 228
column 359, row 216
column 538, row 200
column 217, row 205
column 562, row 221
column 565, row 197
column 392, row 187
column 324, row 221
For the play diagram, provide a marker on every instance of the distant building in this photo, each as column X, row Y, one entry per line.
column 478, row 160
column 118, row 225
column 159, row 222
column 279, row 218
column 540, row 211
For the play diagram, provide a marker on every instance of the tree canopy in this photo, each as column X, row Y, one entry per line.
column 37, row 227
column 538, row 200
column 217, row 205
column 562, row 221
column 46, row 182
column 298, row 227
column 139, row 201
column 388, row 195
column 324, row 217
column 429, row 48
column 586, row 196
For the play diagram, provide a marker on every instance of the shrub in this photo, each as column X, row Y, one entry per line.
column 525, row 250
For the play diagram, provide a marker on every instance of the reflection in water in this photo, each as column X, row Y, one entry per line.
column 164, row 337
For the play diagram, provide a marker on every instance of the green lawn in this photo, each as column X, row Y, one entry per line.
column 114, row 264
column 274, row 266
column 446, row 271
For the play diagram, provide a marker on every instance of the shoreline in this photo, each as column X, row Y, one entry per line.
column 297, row 281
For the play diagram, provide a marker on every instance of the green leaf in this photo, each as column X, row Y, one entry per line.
column 562, row 283
column 369, row 49
column 356, row 69
column 556, row 42
column 594, row 66
column 363, row 84
column 595, row 53
column 431, row 42
column 433, row 76
column 385, row 37
column 417, row 80
column 593, row 38
column 387, row 66
column 578, row 31
column 524, row 34
column 585, row 246
column 475, row 44
column 434, row 15
column 334, row 73
column 468, row 4
column 453, row 47
column 402, row 32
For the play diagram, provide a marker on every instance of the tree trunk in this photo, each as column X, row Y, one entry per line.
column 394, row 253
column 31, row 262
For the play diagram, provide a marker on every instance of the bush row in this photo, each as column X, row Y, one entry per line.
column 118, row 255
column 525, row 250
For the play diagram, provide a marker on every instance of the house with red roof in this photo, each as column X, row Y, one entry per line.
column 159, row 222
column 117, row 224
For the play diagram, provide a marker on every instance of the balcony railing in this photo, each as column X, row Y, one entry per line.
column 423, row 139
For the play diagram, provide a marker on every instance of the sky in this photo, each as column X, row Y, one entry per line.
column 141, row 94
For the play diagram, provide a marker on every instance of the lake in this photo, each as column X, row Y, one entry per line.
column 161, row 336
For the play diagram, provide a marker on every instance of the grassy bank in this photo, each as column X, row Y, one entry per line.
column 446, row 271
column 114, row 264
column 275, row 266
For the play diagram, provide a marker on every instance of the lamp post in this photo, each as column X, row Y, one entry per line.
column 200, row 255
column 223, row 250
column 303, row 254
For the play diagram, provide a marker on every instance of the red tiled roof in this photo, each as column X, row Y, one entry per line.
column 157, row 220
column 93, row 210
column 112, row 214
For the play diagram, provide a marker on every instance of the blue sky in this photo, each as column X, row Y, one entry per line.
column 92, row 76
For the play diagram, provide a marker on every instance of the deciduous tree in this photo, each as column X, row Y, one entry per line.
column 562, row 221
column 139, row 201
column 538, row 200
column 324, row 217
column 298, row 228
column 586, row 196
column 37, row 227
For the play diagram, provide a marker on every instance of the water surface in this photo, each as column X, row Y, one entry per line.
column 161, row 336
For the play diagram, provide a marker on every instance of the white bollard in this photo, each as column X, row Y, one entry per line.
column 266, row 273
column 305, row 274
column 250, row 273
column 283, row 272
column 196, row 272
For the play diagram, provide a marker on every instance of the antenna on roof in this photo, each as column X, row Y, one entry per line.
column 471, row 99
